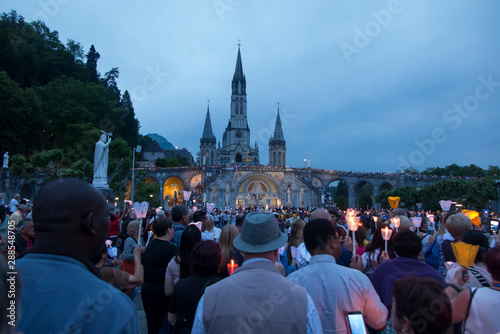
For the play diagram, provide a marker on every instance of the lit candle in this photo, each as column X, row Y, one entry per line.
column 386, row 235
column 395, row 222
column 375, row 219
column 231, row 267
column 353, row 223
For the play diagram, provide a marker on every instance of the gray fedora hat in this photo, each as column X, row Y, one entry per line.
column 259, row 234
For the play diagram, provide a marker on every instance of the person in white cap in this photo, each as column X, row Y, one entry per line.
column 256, row 298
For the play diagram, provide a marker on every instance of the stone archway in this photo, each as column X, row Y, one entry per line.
column 258, row 190
column 356, row 193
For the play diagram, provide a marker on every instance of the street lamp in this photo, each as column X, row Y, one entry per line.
column 305, row 163
column 497, row 181
column 138, row 150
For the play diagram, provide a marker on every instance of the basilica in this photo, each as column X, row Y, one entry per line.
column 232, row 175
column 236, row 147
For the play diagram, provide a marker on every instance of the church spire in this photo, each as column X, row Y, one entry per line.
column 207, row 130
column 239, row 82
column 278, row 130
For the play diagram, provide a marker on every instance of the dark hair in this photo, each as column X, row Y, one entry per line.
column 189, row 238
column 360, row 236
column 161, row 225
column 178, row 212
column 240, row 218
column 407, row 244
column 423, row 302
column 477, row 238
column 206, row 258
column 316, row 234
column 492, row 262
column 334, row 212
column 199, row 215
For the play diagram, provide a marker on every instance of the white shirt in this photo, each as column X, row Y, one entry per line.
column 302, row 256
column 335, row 289
column 212, row 235
column 13, row 205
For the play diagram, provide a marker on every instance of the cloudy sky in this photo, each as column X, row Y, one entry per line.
column 362, row 86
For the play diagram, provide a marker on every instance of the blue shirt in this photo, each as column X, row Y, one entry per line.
column 336, row 289
column 60, row 295
column 313, row 321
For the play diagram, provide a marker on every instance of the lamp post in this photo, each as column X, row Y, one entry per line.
column 497, row 181
column 138, row 150
column 305, row 163
column 161, row 176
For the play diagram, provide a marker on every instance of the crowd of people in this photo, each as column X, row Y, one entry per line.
column 79, row 268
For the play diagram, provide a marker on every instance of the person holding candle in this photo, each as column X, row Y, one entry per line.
column 334, row 288
column 228, row 251
column 477, row 308
column 376, row 248
column 256, row 297
column 407, row 245
column 205, row 261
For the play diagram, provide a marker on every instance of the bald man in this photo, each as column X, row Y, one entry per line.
column 62, row 291
column 303, row 256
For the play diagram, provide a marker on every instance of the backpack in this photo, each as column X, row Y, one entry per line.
column 433, row 255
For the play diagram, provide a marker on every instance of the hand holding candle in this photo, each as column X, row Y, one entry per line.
column 353, row 223
column 231, row 267
column 386, row 235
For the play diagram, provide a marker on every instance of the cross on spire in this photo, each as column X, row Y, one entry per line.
column 239, row 42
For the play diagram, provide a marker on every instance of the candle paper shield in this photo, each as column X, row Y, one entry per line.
column 393, row 201
column 140, row 209
column 396, row 221
column 431, row 218
column 386, row 233
column 464, row 253
column 417, row 221
column 473, row 216
column 353, row 223
column 445, row 205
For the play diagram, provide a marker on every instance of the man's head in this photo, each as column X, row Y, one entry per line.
column 180, row 215
column 320, row 214
column 26, row 228
column 200, row 216
column 161, row 214
column 320, row 238
column 239, row 220
column 71, row 215
column 16, row 197
column 260, row 236
column 407, row 244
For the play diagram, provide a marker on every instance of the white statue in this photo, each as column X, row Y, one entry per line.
column 6, row 160
column 101, row 161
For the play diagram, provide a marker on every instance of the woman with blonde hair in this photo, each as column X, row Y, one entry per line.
column 296, row 238
column 228, row 251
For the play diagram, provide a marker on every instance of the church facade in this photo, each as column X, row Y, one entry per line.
column 232, row 174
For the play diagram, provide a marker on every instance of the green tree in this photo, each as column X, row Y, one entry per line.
column 91, row 64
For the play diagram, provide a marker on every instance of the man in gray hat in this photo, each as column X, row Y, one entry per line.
column 256, row 298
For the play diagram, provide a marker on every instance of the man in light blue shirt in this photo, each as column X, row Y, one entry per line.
column 336, row 289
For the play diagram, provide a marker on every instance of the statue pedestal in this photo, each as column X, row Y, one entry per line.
column 108, row 193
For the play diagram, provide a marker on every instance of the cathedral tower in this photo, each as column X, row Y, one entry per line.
column 208, row 152
column 277, row 145
column 236, row 138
